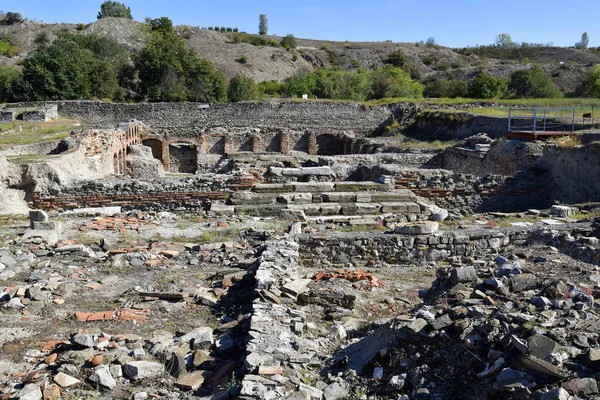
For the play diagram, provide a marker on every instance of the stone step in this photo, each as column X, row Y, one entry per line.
column 322, row 187
column 301, row 197
column 349, row 186
column 333, row 209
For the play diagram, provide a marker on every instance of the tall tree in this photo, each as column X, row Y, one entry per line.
column 585, row 41
column 504, row 41
column 169, row 71
column 114, row 9
column 263, row 24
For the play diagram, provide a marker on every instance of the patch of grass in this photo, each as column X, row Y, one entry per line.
column 36, row 132
column 567, row 141
column 30, row 158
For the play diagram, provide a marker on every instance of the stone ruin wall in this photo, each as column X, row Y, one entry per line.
column 399, row 249
column 184, row 119
column 107, row 150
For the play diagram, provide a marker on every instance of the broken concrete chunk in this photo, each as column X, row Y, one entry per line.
column 65, row 381
column 296, row 287
column 103, row 377
column 137, row 370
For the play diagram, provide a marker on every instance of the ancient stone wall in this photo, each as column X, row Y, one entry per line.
column 158, row 194
column 7, row 116
column 360, row 248
column 467, row 193
column 184, row 119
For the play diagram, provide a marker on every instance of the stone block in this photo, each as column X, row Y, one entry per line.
column 239, row 198
column 403, row 195
column 342, row 197
column 463, row 275
column 138, row 370
column 45, row 226
column 419, row 228
column 562, row 211
column 273, row 187
column 367, row 208
column 330, row 208
column 37, row 216
column 312, row 186
column 350, row 186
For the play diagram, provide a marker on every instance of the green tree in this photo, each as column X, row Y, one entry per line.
column 58, row 71
column 162, row 25
column 114, row 9
column 533, row 83
column 504, row 41
column 591, row 82
column 486, row 86
column 242, row 88
column 301, row 84
column 585, row 41
column 398, row 59
column 389, row 81
column 169, row 71
column 457, row 88
column 13, row 18
column 263, row 24
column 74, row 67
column 288, row 42
column 8, row 75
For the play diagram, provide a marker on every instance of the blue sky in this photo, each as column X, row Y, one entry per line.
column 456, row 23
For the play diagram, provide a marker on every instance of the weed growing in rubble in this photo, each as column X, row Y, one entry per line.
column 232, row 382
column 567, row 141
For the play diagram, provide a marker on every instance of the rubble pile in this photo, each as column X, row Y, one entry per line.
column 514, row 326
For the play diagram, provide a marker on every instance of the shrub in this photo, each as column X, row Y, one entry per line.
column 235, row 29
column 591, row 82
column 7, row 47
column 389, row 81
column 13, row 18
column 398, row 60
column 222, row 29
column 42, row 37
column 210, row 28
column 80, row 27
column 533, row 83
column 486, row 86
column 258, row 41
column 242, row 88
column 294, row 56
column 289, row 42
column 457, row 88
column 301, row 84
column 229, row 29
column 8, row 75
column 271, row 88
column 114, row 9
column 243, row 59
